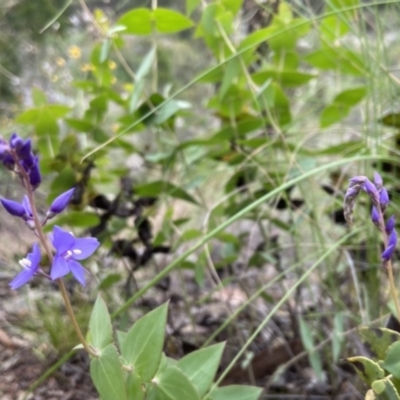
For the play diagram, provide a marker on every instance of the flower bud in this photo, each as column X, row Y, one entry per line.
column 60, row 203
column 378, row 181
column 13, row 208
column 383, row 199
column 389, row 225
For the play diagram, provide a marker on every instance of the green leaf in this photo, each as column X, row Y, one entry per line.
column 332, row 114
column 200, row 366
column 391, row 119
column 332, row 28
column 368, row 370
column 308, row 342
column 257, row 38
column 172, row 384
column 385, row 389
column 137, row 21
column 233, row 6
column 337, row 338
column 142, row 347
column 231, row 72
column 350, row 97
column 146, row 64
column 39, row 98
column 377, row 340
column 338, row 58
column 105, row 50
column 161, row 187
column 190, row 234
column 391, row 362
column 236, row 392
column 109, row 281
column 170, row 21
column 77, row 219
column 44, row 118
column 100, row 328
column 106, row 373
column 285, row 78
column 191, row 5
column 134, row 387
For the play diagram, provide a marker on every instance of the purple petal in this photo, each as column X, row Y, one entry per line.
column 357, row 180
column 16, row 141
column 13, row 207
column 4, row 151
column 22, row 278
column 27, row 206
column 77, row 271
column 34, row 176
column 35, row 256
column 84, row 248
column 59, row 268
column 375, row 215
column 384, row 198
column 392, row 240
column 372, row 191
column 389, row 225
column 378, row 180
column 60, row 203
column 388, row 253
column 27, row 274
column 62, row 240
column 25, row 151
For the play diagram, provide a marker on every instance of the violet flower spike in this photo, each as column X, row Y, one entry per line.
column 68, row 251
column 60, row 203
column 31, row 267
column 392, row 242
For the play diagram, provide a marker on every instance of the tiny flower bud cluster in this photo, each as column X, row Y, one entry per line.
column 17, row 156
column 380, row 201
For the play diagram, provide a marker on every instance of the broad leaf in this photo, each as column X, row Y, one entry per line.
column 236, row 392
column 172, row 384
column 368, row 370
column 137, row 21
column 385, row 389
column 143, row 344
column 377, row 340
column 391, row 362
column 169, row 21
column 100, row 328
column 332, row 114
column 107, row 376
column 201, row 365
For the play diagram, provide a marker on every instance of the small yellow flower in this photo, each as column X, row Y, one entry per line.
column 114, row 80
column 74, row 52
column 87, row 67
column 114, row 128
column 54, row 78
column 112, row 65
column 60, row 61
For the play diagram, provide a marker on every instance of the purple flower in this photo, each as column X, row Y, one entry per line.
column 30, row 265
column 68, row 251
column 34, row 174
column 22, row 210
column 383, row 198
column 378, row 181
column 60, row 203
column 392, row 242
column 371, row 190
column 375, row 216
column 389, row 225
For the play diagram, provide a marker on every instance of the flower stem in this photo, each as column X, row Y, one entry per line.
column 45, row 243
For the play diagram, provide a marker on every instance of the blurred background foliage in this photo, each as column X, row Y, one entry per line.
column 171, row 117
